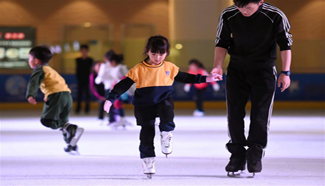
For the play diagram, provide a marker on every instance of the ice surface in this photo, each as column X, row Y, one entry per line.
column 33, row 155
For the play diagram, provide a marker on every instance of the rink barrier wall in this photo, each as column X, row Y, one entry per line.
column 182, row 105
column 306, row 91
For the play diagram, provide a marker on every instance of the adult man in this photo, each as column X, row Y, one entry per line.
column 249, row 31
column 83, row 68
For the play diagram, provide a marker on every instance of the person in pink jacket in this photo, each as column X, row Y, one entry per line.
column 97, row 90
column 196, row 67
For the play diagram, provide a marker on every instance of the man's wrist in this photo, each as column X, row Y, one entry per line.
column 287, row 72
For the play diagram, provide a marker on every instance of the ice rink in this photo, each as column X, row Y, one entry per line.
column 33, row 155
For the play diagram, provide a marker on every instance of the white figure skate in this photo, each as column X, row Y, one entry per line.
column 148, row 166
column 166, row 143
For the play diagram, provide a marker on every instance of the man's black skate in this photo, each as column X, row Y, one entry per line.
column 254, row 166
column 254, row 156
column 237, row 160
column 234, row 166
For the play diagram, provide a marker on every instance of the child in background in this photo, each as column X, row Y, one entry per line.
column 196, row 67
column 97, row 90
column 58, row 101
column 154, row 78
column 109, row 74
column 118, row 71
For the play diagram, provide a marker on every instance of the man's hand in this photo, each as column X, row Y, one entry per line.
column 217, row 70
column 107, row 105
column 285, row 81
column 31, row 100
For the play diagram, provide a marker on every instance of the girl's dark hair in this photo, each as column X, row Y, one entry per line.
column 243, row 3
column 157, row 44
column 196, row 62
column 41, row 53
column 112, row 56
column 118, row 58
column 109, row 54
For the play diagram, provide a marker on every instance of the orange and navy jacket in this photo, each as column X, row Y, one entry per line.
column 48, row 80
column 153, row 82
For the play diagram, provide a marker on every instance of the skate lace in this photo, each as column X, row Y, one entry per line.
column 166, row 140
column 148, row 164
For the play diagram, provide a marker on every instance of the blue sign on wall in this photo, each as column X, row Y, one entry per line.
column 304, row 87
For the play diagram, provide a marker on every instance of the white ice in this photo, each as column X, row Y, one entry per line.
column 33, row 155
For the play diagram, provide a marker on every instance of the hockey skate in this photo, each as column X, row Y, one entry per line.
column 72, row 134
column 235, row 167
column 166, row 143
column 148, row 166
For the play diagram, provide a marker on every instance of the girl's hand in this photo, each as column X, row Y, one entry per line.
column 213, row 77
column 44, row 99
column 107, row 105
column 31, row 100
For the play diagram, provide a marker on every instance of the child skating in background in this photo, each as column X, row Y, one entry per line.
column 98, row 90
column 104, row 77
column 154, row 78
column 196, row 67
column 57, row 99
column 109, row 74
column 119, row 71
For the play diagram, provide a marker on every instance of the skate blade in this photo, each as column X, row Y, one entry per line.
column 240, row 174
column 166, row 154
column 74, row 153
column 252, row 175
column 118, row 125
column 149, row 175
column 71, row 151
column 76, row 138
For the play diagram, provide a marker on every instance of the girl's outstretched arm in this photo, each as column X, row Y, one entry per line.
column 190, row 78
column 117, row 91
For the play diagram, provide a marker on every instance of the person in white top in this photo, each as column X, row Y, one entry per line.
column 110, row 73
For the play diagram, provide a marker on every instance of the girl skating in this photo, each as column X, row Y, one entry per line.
column 154, row 78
